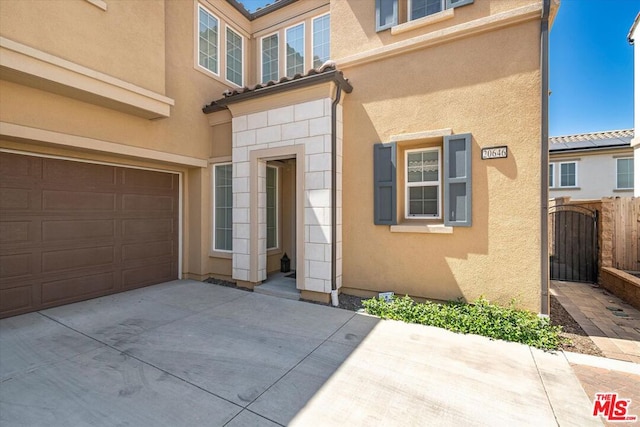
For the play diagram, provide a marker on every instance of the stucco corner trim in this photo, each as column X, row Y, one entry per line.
column 32, row 67
column 423, row 22
column 421, row 228
column 418, row 136
column 100, row 4
column 24, row 133
column 467, row 29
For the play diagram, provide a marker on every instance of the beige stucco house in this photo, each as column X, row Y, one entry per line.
column 591, row 165
column 383, row 145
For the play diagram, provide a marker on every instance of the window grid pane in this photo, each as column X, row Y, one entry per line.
column 270, row 58
column 423, row 183
column 272, row 211
column 321, row 41
column 551, row 175
column 223, row 212
column 295, row 50
column 421, row 8
column 568, row 175
column 624, row 174
column 234, row 57
column 208, row 41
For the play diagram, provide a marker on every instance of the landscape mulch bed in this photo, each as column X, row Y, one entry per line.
column 579, row 341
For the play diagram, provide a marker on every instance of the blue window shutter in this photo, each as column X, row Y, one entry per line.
column 457, row 180
column 385, row 186
column 386, row 14
column 455, row 3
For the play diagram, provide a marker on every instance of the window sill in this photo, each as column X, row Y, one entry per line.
column 218, row 254
column 622, row 190
column 564, row 188
column 421, row 228
column 423, row 22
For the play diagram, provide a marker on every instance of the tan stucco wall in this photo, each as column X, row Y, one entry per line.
column 487, row 85
column 355, row 22
column 125, row 41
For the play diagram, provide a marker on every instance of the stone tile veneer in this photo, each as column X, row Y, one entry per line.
column 309, row 124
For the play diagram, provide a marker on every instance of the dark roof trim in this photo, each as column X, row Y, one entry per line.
column 277, row 4
column 285, row 84
column 553, row 149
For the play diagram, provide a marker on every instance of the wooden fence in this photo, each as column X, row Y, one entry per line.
column 618, row 230
column 625, row 232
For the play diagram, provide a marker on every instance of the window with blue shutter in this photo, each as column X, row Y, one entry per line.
column 457, row 180
column 385, row 187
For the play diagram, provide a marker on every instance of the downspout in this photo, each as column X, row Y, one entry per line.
column 544, row 160
column 334, row 195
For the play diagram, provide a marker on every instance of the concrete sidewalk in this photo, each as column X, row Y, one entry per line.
column 192, row 353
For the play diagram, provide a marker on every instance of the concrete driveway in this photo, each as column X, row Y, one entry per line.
column 192, row 353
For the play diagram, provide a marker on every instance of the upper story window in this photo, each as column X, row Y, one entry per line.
column 551, row 173
column 624, row 173
column 321, row 40
column 569, row 174
column 208, row 40
column 234, row 57
column 295, row 50
column 270, row 58
column 387, row 10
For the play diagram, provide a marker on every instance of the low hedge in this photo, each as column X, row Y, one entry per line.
column 480, row 318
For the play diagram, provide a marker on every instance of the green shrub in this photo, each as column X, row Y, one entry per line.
column 480, row 318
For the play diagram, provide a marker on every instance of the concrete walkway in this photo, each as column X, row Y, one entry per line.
column 614, row 326
column 192, row 353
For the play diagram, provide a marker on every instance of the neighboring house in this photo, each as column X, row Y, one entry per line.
column 635, row 142
column 591, row 165
column 370, row 172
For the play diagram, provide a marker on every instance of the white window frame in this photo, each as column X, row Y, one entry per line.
column 313, row 38
column 277, row 34
column 213, row 204
column 226, row 65
column 217, row 72
column 304, row 46
column 277, row 211
column 617, row 160
column 552, row 175
column 560, row 175
column 408, row 185
column 443, row 6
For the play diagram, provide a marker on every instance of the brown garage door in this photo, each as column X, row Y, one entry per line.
column 71, row 231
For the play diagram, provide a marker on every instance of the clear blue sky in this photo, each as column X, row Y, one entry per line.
column 591, row 65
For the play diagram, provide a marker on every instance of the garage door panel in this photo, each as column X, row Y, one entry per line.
column 77, row 258
column 147, row 179
column 71, row 231
column 149, row 273
column 77, row 288
column 14, row 165
column 16, row 265
column 138, row 202
column 77, row 175
column 16, row 300
column 142, row 251
column 136, row 228
column 78, row 201
column 13, row 199
column 57, row 230
column 12, row 232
